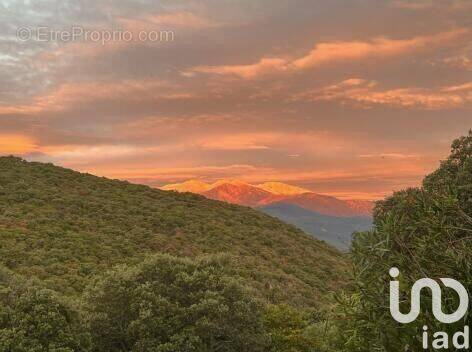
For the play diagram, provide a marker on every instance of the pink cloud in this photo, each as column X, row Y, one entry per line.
column 324, row 53
column 466, row 87
column 68, row 94
column 308, row 142
column 262, row 67
column 412, row 4
column 463, row 61
column 333, row 52
column 364, row 94
column 251, row 141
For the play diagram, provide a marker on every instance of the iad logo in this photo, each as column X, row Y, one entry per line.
column 416, row 297
column 441, row 340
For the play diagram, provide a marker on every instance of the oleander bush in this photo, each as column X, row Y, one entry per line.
column 424, row 232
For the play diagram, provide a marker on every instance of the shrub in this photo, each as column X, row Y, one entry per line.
column 173, row 304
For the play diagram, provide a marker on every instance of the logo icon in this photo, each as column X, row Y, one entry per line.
column 436, row 297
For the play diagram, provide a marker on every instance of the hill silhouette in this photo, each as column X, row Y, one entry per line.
column 63, row 227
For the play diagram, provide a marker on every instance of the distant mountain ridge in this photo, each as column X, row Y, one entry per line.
column 335, row 230
column 282, row 188
column 238, row 192
column 193, row 186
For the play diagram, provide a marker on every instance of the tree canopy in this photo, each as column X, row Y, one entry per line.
column 173, row 304
column 35, row 319
column 425, row 232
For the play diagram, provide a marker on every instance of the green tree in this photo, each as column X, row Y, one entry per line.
column 173, row 304
column 294, row 330
column 425, row 232
column 34, row 319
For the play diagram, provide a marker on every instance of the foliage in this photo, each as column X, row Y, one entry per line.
column 64, row 227
column 173, row 304
column 34, row 319
column 425, row 232
column 292, row 330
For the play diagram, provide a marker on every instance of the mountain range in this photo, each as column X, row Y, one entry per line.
column 242, row 193
column 325, row 217
column 335, row 230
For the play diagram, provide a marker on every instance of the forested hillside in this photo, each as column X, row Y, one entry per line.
column 63, row 227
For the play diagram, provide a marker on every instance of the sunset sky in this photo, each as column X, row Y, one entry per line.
column 351, row 98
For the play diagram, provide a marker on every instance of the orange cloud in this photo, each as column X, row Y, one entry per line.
column 94, row 152
column 308, row 142
column 19, row 109
column 378, row 47
column 390, row 155
column 364, row 94
column 172, row 173
column 264, row 66
column 250, row 141
column 412, row 4
column 461, row 61
column 333, row 52
column 132, row 163
column 466, row 87
column 72, row 93
column 251, row 173
column 16, row 144
column 399, row 171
